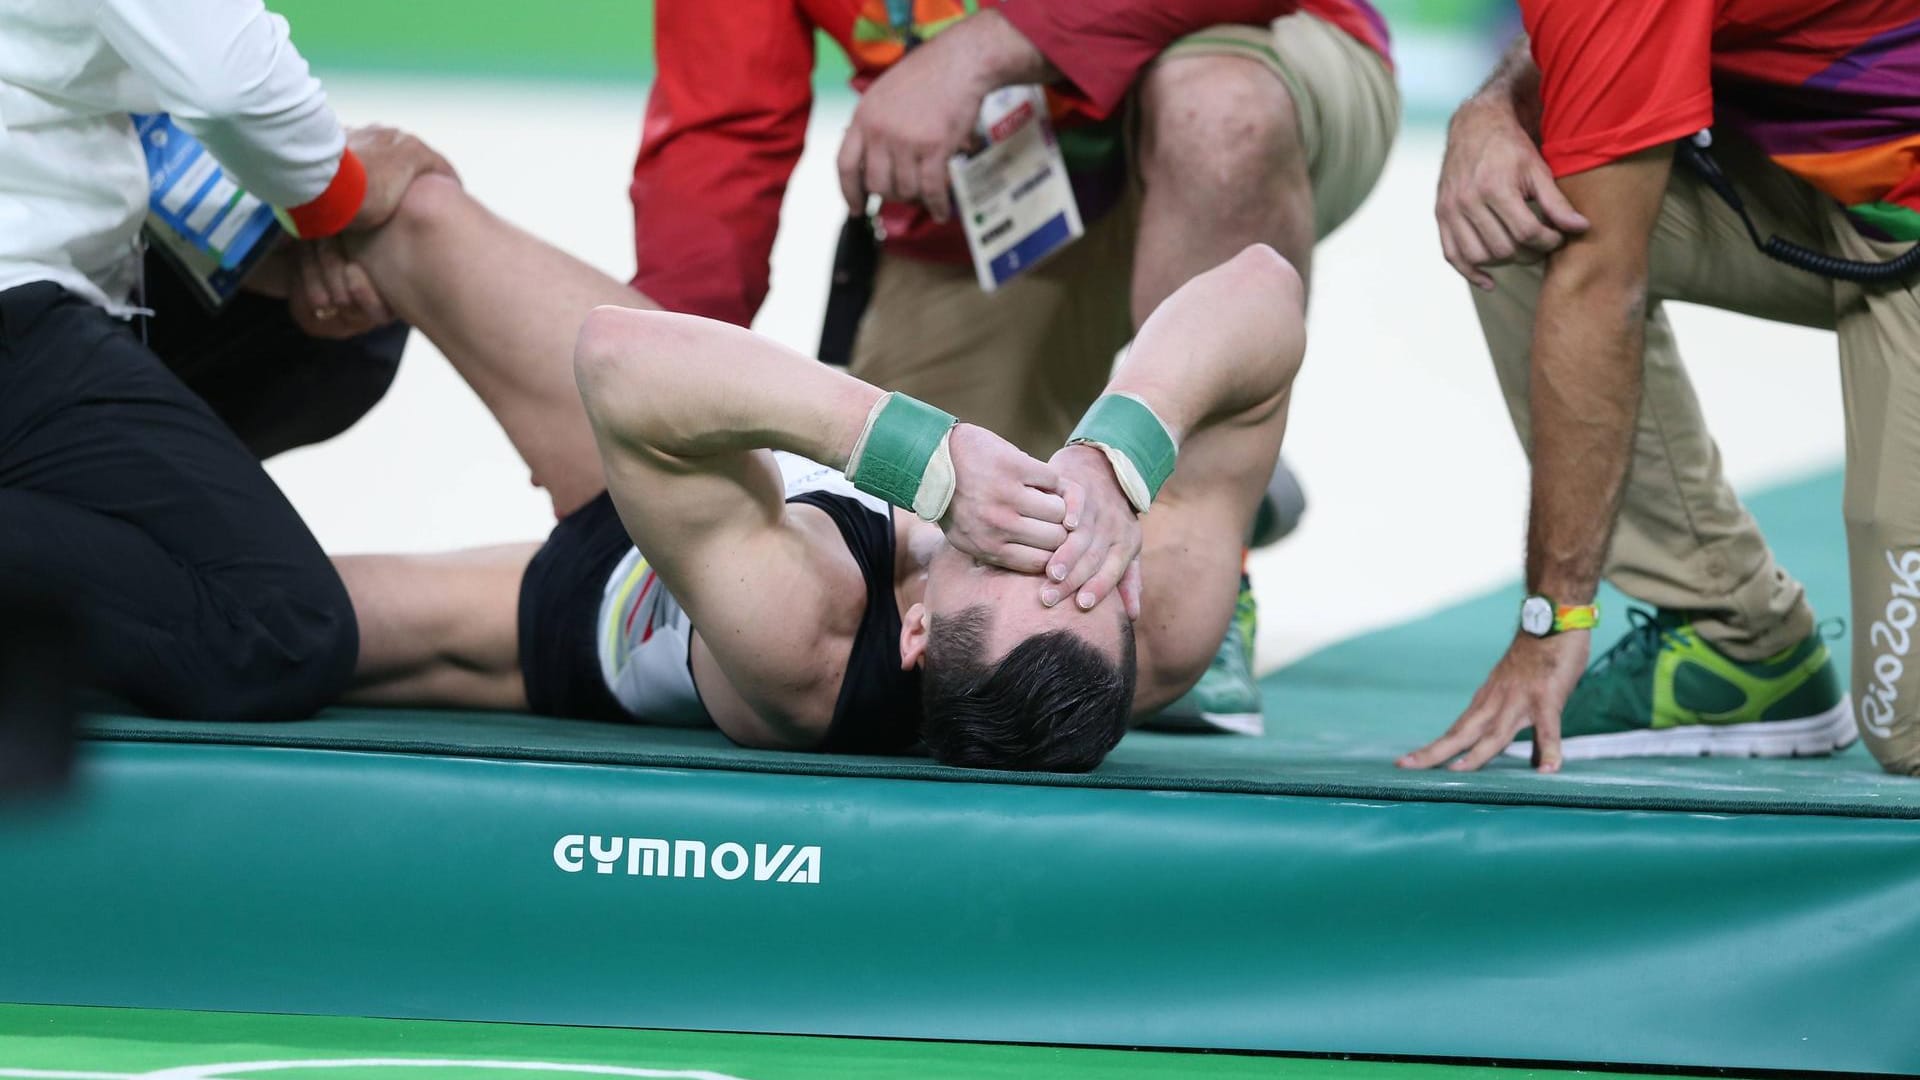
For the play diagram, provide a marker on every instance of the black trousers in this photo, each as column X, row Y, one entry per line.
column 131, row 491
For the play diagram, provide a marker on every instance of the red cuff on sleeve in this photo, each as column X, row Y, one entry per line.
column 335, row 208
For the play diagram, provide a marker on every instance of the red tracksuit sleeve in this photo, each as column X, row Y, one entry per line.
column 725, row 124
column 1101, row 45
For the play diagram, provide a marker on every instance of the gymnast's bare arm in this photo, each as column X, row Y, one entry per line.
column 685, row 411
column 1216, row 361
column 507, row 310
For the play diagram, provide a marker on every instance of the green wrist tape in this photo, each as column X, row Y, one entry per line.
column 1136, row 443
column 902, row 456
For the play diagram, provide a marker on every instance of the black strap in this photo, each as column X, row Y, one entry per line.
column 856, row 259
column 1786, row 251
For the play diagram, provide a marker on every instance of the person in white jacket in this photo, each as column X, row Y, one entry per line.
column 124, row 495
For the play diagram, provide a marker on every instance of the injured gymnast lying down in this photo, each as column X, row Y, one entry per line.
column 776, row 599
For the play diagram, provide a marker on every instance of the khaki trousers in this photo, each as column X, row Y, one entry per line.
column 1028, row 360
column 1684, row 541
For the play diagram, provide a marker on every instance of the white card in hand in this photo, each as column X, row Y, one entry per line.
column 1014, row 197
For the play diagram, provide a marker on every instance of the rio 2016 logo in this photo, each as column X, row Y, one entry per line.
column 1892, row 635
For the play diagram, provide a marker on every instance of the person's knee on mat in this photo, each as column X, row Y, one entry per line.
column 278, row 652
column 253, row 645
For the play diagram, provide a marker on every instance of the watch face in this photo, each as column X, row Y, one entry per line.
column 1536, row 616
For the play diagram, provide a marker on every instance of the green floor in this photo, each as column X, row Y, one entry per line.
column 119, row 1044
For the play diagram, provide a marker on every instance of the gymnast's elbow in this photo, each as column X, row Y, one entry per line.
column 611, row 343
column 620, row 358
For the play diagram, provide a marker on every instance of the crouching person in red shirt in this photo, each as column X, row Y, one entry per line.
column 1805, row 210
column 1189, row 130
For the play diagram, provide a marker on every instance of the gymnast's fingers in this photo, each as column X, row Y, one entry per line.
column 1098, row 549
column 1042, row 475
column 1061, row 566
column 1130, row 589
column 1022, row 559
column 1076, row 496
column 1103, row 583
column 1043, row 506
column 1027, row 532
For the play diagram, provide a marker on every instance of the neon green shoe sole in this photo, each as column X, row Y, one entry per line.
column 1227, row 697
column 1663, row 691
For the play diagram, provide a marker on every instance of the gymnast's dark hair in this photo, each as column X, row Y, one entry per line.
column 1054, row 703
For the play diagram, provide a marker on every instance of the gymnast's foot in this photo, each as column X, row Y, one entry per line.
column 1663, row 691
column 1227, row 697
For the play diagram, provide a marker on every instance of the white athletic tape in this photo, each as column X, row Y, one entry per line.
column 937, row 484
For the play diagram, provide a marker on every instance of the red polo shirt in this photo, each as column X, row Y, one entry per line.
column 1829, row 89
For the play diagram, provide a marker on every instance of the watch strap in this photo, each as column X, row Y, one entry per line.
column 1575, row 617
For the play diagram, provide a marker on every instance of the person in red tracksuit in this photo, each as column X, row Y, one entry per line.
column 1190, row 129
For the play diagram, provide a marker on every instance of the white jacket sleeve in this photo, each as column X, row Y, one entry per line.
column 227, row 72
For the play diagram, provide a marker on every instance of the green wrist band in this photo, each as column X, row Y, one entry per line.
column 902, row 456
column 1136, row 443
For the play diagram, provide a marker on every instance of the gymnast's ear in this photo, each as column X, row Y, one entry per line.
column 913, row 637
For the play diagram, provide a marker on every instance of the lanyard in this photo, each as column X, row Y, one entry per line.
column 900, row 17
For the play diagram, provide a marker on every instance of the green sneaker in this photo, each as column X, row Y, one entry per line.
column 1227, row 697
column 1662, row 691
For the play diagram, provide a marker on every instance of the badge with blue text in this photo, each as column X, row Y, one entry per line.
column 1013, row 195
column 211, row 228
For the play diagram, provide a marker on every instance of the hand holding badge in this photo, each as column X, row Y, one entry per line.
column 1015, row 200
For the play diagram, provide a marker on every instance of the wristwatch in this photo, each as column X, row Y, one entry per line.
column 1541, row 617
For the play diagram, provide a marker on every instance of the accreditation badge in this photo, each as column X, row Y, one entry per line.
column 197, row 216
column 1014, row 197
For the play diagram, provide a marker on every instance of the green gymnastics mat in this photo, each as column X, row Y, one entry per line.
column 1293, row 893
